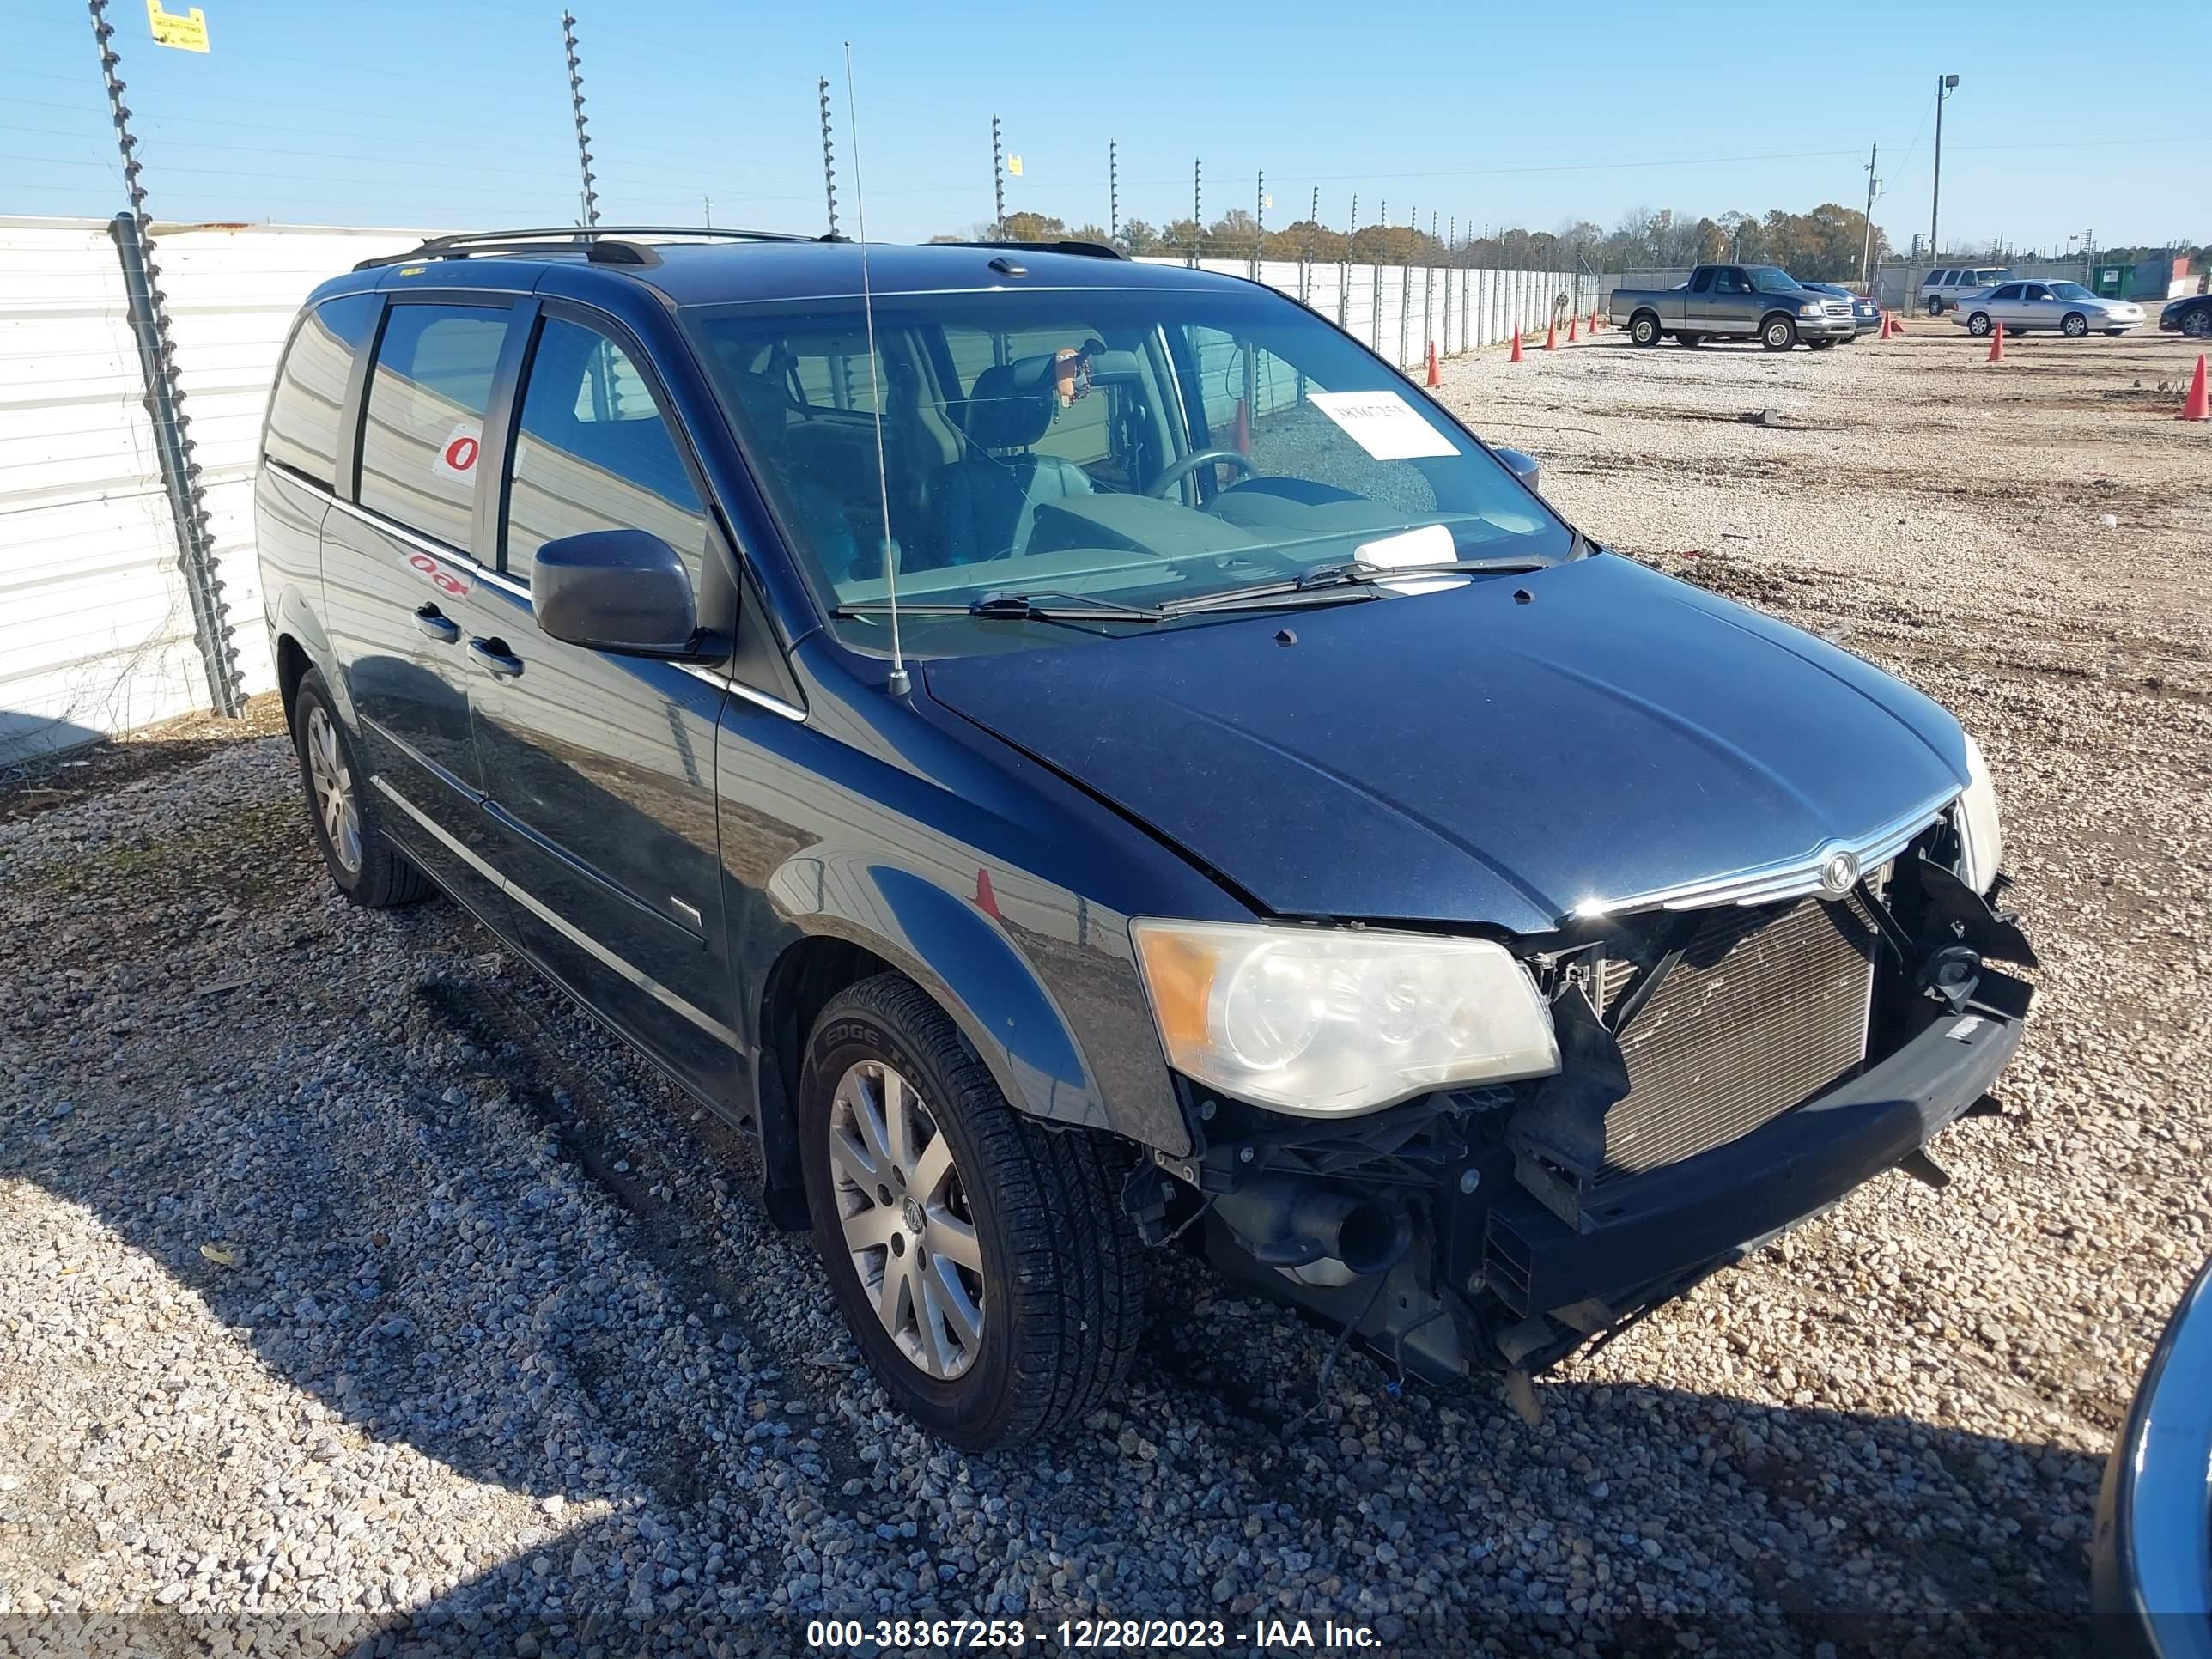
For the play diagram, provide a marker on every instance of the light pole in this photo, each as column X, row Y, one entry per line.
column 1945, row 86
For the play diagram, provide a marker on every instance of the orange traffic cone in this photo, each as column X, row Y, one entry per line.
column 1997, row 344
column 2198, row 404
column 1240, row 438
column 1593, row 327
column 1884, row 335
column 1552, row 336
column 1573, row 323
column 1516, row 356
column 1435, row 379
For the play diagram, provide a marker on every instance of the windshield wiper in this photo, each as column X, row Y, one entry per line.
column 1016, row 607
column 1321, row 585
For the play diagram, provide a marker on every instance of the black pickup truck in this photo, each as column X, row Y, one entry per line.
column 1764, row 302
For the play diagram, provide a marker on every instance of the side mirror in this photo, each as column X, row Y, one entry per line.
column 614, row 590
column 1522, row 465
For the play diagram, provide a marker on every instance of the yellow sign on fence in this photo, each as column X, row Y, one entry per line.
column 186, row 32
column 1014, row 165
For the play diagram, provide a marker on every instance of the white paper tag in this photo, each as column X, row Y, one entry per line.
column 1383, row 424
column 1431, row 544
column 456, row 459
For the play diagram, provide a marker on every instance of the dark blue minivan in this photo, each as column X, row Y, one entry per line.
column 1075, row 756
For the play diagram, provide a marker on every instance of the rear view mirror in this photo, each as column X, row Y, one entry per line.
column 1522, row 465
column 614, row 590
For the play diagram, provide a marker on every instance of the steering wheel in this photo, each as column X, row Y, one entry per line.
column 1175, row 473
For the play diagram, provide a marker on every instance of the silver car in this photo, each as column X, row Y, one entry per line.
column 2067, row 306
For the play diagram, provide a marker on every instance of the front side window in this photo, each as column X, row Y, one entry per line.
column 305, row 412
column 593, row 451
column 423, row 426
column 1134, row 446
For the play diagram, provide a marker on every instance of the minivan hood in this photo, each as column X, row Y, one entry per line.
column 1475, row 755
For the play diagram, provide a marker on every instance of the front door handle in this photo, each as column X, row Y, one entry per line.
column 440, row 628
column 495, row 655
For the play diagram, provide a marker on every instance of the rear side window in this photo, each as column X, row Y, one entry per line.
column 593, row 451
column 304, row 415
column 424, row 423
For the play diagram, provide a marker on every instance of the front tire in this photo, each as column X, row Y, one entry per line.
column 983, row 1260
column 1777, row 334
column 2073, row 325
column 1979, row 324
column 365, row 866
column 1643, row 329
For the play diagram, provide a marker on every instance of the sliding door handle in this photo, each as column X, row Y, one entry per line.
column 495, row 655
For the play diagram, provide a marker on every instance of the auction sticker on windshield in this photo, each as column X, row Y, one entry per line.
column 1383, row 424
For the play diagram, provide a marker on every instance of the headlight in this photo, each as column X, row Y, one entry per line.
column 1322, row 1020
column 1981, row 843
column 1808, row 311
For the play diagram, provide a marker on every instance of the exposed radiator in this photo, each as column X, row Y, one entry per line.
column 1767, row 1007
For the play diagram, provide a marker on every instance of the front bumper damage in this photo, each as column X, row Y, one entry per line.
column 1447, row 1234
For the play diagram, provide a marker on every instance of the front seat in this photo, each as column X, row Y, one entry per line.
column 983, row 505
column 821, row 515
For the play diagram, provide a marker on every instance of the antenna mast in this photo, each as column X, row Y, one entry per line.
column 899, row 685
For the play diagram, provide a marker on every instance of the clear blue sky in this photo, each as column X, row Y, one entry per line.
column 414, row 113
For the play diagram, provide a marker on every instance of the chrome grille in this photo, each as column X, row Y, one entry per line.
column 1837, row 308
column 1767, row 1007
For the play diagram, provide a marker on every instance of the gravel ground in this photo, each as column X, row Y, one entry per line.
column 358, row 1291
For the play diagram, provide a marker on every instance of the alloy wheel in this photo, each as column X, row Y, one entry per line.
column 903, row 1206
column 2197, row 324
column 335, row 807
column 2075, row 325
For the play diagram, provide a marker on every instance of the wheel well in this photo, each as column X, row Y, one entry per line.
column 1642, row 311
column 1772, row 315
column 292, row 667
column 799, row 987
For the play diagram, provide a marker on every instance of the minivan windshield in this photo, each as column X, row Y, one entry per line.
column 1114, row 448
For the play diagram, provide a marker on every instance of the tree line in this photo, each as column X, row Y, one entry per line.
column 1825, row 245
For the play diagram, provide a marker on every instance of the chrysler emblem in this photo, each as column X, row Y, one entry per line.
column 1839, row 872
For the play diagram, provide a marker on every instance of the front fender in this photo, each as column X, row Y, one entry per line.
column 971, row 950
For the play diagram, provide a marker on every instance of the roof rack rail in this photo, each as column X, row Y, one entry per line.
column 601, row 244
column 1084, row 250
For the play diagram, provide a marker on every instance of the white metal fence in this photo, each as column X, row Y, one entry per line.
column 96, row 628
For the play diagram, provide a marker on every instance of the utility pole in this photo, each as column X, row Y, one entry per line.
column 591, row 198
column 164, row 399
column 1113, row 191
column 998, row 182
column 1945, row 85
column 1344, row 281
column 1866, row 251
column 1197, row 211
column 707, row 207
column 828, row 159
column 1258, row 219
